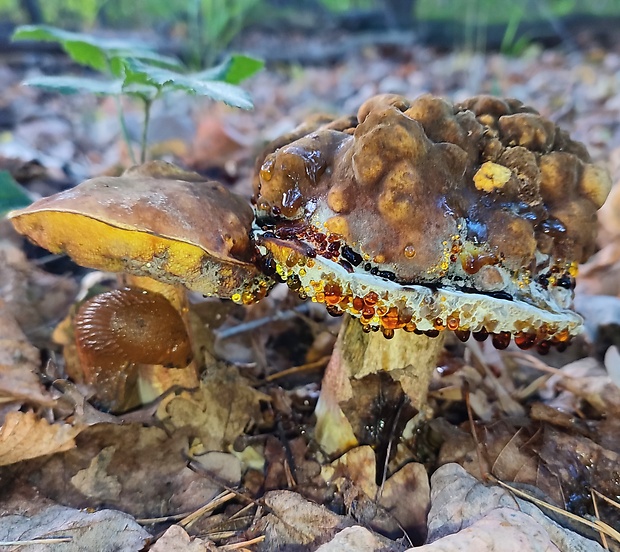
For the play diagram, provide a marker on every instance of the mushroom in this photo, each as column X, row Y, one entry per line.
column 423, row 217
column 166, row 230
column 415, row 218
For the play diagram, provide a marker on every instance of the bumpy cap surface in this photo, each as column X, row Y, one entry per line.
column 156, row 220
column 426, row 215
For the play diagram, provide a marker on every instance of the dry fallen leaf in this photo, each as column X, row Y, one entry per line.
column 24, row 435
column 219, row 411
column 296, row 523
column 102, row 531
column 141, row 470
column 401, row 504
column 460, row 502
column 357, row 539
column 176, row 539
column 19, row 363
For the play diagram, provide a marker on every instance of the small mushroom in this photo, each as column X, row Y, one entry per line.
column 424, row 217
column 165, row 230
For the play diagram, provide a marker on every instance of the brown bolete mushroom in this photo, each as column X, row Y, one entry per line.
column 415, row 217
column 425, row 216
column 166, row 230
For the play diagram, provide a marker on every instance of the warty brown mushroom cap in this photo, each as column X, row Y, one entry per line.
column 429, row 215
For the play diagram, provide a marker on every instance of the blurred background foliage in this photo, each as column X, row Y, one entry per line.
column 208, row 26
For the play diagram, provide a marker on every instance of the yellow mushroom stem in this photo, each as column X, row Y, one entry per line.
column 408, row 358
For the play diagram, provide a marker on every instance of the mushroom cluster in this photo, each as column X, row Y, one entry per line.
column 414, row 217
column 426, row 216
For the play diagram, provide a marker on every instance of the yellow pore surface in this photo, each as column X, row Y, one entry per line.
column 96, row 244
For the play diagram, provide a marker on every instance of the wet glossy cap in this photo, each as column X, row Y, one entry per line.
column 155, row 220
column 471, row 217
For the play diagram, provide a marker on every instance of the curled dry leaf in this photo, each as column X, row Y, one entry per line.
column 296, row 522
column 356, row 539
column 219, row 411
column 176, row 539
column 501, row 530
column 24, row 435
column 489, row 519
column 141, row 470
column 102, row 531
column 19, row 362
column 400, row 505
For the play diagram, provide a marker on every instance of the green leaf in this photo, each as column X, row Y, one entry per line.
column 74, row 85
column 139, row 73
column 12, row 195
column 95, row 52
column 234, row 70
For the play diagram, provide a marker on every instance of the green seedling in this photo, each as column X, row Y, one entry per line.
column 129, row 68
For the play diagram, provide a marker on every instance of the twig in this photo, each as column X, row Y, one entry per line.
column 52, row 540
column 255, row 324
column 599, row 526
column 220, row 499
column 309, row 367
column 239, row 545
column 163, row 519
column 606, row 498
column 598, row 517
column 537, row 364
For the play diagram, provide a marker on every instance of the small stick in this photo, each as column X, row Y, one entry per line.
column 596, row 525
column 52, row 540
column 598, row 517
column 220, row 499
column 241, row 545
column 310, row 366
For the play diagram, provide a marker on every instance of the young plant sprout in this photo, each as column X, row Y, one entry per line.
column 415, row 217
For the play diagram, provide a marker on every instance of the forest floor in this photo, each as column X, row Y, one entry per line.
column 518, row 448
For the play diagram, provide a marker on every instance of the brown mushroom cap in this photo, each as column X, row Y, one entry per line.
column 466, row 216
column 156, row 220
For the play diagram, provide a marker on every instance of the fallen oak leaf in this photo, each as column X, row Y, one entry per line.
column 219, row 411
column 24, row 436
column 102, row 531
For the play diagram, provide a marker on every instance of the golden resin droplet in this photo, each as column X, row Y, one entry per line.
column 410, row 251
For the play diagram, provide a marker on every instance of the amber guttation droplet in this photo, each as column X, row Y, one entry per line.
column 501, row 340
column 561, row 346
column 387, row 333
column 410, row 251
column 333, row 310
column 463, row 335
column 452, row 323
column 525, row 340
column 293, row 282
column 543, row 347
column 409, row 327
column 481, row 335
column 368, row 312
column 366, row 328
column 358, row 303
column 390, row 319
column 431, row 333
column 438, row 324
column 473, row 263
column 320, row 297
column 371, row 298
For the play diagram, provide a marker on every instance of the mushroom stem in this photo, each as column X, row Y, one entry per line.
column 154, row 380
column 409, row 358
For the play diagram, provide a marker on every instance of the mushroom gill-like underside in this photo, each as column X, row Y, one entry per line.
column 425, row 216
